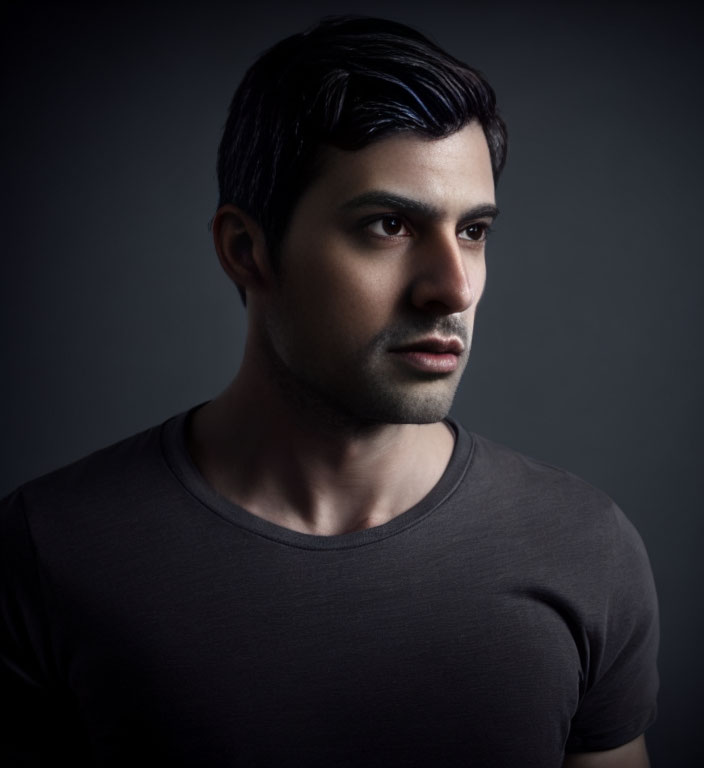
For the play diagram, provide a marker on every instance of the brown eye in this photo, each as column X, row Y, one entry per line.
column 391, row 225
column 475, row 232
column 388, row 226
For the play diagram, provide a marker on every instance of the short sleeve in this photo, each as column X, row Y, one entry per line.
column 620, row 688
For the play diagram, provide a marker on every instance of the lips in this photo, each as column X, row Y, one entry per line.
column 433, row 355
column 434, row 345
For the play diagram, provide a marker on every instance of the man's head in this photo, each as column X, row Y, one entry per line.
column 345, row 83
column 357, row 179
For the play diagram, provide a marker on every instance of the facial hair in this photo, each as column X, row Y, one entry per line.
column 368, row 390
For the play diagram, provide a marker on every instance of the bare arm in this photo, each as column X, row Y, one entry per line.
column 631, row 755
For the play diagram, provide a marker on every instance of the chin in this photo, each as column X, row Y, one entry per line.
column 391, row 408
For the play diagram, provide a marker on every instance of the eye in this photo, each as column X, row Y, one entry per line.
column 477, row 232
column 388, row 226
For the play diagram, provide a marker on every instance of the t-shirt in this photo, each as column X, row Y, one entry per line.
column 507, row 617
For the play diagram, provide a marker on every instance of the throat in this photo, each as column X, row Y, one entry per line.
column 316, row 484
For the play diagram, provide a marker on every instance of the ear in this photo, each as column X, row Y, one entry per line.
column 241, row 247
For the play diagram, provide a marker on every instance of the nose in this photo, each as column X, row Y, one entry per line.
column 448, row 280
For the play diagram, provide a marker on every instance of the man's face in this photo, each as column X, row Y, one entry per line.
column 381, row 269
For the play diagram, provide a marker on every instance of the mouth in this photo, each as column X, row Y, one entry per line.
column 431, row 355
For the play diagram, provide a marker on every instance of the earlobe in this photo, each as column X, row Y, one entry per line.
column 241, row 247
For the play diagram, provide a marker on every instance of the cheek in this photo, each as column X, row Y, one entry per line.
column 346, row 300
column 369, row 302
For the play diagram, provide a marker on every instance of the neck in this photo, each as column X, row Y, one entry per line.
column 299, row 468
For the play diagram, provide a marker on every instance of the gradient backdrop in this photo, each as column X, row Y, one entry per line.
column 588, row 350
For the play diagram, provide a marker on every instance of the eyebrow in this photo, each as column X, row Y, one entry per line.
column 383, row 199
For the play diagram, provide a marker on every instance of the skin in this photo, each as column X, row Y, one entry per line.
column 326, row 429
column 321, row 407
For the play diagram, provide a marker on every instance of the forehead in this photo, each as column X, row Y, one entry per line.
column 450, row 174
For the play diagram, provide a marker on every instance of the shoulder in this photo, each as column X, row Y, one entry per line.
column 95, row 486
column 548, row 514
column 563, row 528
column 94, row 470
column 506, row 467
column 511, row 480
column 574, row 549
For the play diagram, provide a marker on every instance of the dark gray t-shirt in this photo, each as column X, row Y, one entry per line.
column 507, row 617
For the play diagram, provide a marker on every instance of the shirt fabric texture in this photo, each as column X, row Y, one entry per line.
column 508, row 617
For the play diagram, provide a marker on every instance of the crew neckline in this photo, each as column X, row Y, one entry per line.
column 179, row 461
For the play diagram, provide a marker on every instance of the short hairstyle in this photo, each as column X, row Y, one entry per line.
column 346, row 82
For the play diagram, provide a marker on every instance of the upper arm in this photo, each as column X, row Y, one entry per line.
column 620, row 679
column 631, row 755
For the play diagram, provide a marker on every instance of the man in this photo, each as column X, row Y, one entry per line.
column 317, row 567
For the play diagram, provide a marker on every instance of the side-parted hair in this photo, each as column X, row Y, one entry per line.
column 345, row 83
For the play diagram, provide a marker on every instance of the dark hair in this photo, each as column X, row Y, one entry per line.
column 346, row 82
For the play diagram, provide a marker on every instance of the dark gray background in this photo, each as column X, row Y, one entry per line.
column 588, row 352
